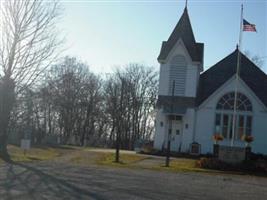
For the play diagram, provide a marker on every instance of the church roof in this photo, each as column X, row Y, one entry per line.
column 218, row 74
column 184, row 31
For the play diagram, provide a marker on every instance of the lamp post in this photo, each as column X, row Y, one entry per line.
column 167, row 162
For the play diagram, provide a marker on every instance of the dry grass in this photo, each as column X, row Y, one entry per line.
column 126, row 160
column 86, row 157
column 34, row 154
column 136, row 161
column 180, row 165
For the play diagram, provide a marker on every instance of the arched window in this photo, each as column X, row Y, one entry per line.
column 225, row 113
column 177, row 74
column 227, row 102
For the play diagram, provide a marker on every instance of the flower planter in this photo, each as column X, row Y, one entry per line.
column 248, row 152
column 216, row 138
column 216, row 150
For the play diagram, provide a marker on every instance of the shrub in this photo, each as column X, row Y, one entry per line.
column 147, row 147
column 258, row 156
column 212, row 163
column 252, row 166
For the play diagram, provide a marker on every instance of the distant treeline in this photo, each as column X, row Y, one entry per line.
column 82, row 108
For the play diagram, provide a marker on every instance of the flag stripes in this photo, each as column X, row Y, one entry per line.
column 248, row 26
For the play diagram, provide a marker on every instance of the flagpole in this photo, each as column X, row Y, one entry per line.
column 237, row 78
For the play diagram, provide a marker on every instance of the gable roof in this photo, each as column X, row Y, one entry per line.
column 218, row 74
column 184, row 31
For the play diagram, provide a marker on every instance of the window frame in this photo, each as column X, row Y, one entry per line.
column 226, row 98
column 221, row 112
column 230, row 121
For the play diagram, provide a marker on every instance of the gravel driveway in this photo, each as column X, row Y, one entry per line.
column 54, row 180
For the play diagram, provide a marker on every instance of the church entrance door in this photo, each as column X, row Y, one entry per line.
column 176, row 136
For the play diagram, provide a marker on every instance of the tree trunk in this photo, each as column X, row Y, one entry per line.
column 3, row 146
column 7, row 98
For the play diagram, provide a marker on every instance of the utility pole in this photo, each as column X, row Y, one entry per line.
column 167, row 163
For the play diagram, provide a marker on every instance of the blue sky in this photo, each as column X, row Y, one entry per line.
column 106, row 34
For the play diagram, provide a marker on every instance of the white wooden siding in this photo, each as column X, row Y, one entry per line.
column 177, row 73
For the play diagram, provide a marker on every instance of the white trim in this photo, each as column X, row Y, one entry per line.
column 224, row 85
column 253, row 94
column 180, row 42
column 215, row 92
column 177, row 44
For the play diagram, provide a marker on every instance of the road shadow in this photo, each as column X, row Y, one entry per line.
column 24, row 181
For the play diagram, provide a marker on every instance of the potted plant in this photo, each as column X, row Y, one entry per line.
column 217, row 137
column 248, row 139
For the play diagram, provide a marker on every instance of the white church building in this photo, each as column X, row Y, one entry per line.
column 194, row 104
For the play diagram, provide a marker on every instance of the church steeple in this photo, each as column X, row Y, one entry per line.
column 184, row 31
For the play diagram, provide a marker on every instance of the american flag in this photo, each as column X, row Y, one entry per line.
column 248, row 26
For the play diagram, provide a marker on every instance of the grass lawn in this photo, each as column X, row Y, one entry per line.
column 34, row 154
column 181, row 165
column 126, row 160
column 102, row 157
column 137, row 161
column 146, row 162
column 86, row 157
column 83, row 156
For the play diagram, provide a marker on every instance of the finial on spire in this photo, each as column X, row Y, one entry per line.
column 185, row 3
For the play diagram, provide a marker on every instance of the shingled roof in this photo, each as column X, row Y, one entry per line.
column 184, row 31
column 218, row 74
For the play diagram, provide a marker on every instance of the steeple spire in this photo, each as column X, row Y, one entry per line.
column 183, row 30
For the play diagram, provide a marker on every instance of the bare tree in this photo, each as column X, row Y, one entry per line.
column 256, row 59
column 28, row 45
column 75, row 98
column 130, row 94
